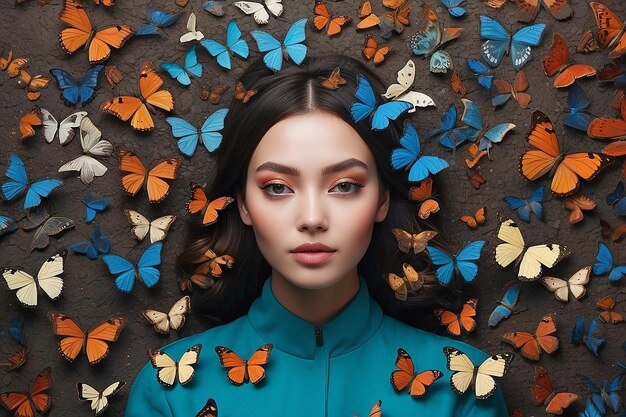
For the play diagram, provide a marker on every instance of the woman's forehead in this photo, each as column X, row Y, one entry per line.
column 316, row 139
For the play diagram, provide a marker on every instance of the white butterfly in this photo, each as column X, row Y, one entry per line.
column 169, row 369
column 65, row 129
column 87, row 165
column 529, row 259
column 261, row 16
column 193, row 34
column 174, row 320
column 400, row 91
column 99, row 400
column 576, row 284
column 466, row 373
column 48, row 280
column 141, row 225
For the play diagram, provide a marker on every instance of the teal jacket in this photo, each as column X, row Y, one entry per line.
column 339, row 369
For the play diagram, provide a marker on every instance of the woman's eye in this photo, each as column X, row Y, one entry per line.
column 275, row 189
column 347, row 187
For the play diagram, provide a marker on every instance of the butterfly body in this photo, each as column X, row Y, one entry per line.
column 411, row 282
column 208, row 133
column 98, row 244
column 402, row 90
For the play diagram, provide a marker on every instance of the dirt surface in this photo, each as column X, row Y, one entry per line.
column 89, row 294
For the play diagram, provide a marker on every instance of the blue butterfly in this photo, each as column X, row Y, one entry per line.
column 605, row 393
column 590, row 410
column 451, row 137
column 526, row 206
column 472, row 117
column 77, row 92
column 295, row 49
column 158, row 19
column 189, row 135
column 94, row 204
column 497, row 43
column 410, row 157
column 604, row 263
column 16, row 331
column 616, row 198
column 145, row 270
column 20, row 182
column 96, row 245
column 215, row 7
column 577, row 103
column 234, row 44
column 454, row 7
column 7, row 225
column 506, row 306
column 367, row 104
column 592, row 339
column 192, row 66
column 463, row 262
column 482, row 71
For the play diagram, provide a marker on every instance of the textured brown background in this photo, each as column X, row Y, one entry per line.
column 90, row 294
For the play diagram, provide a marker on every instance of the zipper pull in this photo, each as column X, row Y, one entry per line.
column 319, row 339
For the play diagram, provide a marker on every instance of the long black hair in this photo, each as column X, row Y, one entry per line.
column 296, row 90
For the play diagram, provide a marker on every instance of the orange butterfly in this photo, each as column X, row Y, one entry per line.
column 12, row 66
column 24, row 402
column 473, row 221
column 323, row 19
column 334, row 80
column 411, row 281
column 558, row 62
column 577, row 203
column 94, row 342
column 463, row 320
column 30, row 119
column 210, row 264
column 423, row 192
column 153, row 179
column 610, row 129
column 587, row 43
column 476, row 155
column 611, row 29
column 242, row 94
column 371, row 50
column 532, row 344
column 125, row 107
column 457, row 84
column 560, row 9
column 15, row 360
column 395, row 20
column 32, row 84
column 241, row 370
column 376, row 409
column 609, row 315
column 476, row 178
column 107, row 3
column 543, row 393
column 199, row 202
column 368, row 19
column 504, row 91
column 81, row 32
column 547, row 158
column 113, row 75
column 406, row 375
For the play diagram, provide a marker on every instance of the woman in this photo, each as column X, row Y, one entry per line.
column 316, row 199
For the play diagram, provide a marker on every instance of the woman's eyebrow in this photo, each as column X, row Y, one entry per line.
column 293, row 171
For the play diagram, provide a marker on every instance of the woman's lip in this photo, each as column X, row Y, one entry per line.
column 312, row 258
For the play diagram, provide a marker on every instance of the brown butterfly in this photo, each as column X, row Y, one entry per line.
column 577, row 203
column 416, row 242
column 423, row 192
column 412, row 281
column 476, row 155
column 113, row 75
column 457, row 84
column 476, row 178
column 504, row 91
column 334, row 80
column 242, row 94
column 587, row 43
column 560, row 9
column 607, row 231
column 396, row 19
column 213, row 94
column 608, row 313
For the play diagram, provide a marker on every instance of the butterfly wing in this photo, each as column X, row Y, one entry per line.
column 522, row 41
column 260, row 357
column 102, row 41
column 118, row 265
column 150, row 258
column 79, row 32
column 267, row 43
column 209, row 409
column 157, row 188
column 62, row 325
column 461, row 366
column 178, row 312
column 159, row 227
column 48, row 276
column 211, row 137
column 535, row 256
column 445, row 272
column 401, row 377
column 604, row 260
column 506, row 306
column 188, row 135
column 97, row 347
column 167, row 367
column 494, row 48
column 557, row 286
column 229, row 359
column 293, row 41
column 186, row 371
column 494, row 366
column 24, row 284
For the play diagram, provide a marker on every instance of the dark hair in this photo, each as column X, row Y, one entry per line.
column 296, row 90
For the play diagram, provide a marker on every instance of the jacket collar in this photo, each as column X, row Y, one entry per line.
column 349, row 329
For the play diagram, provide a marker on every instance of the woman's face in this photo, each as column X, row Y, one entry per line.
column 312, row 179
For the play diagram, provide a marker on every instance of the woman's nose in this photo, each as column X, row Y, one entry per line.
column 312, row 213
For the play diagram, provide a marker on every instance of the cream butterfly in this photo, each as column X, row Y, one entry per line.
column 169, row 370
column 99, row 400
column 400, row 91
column 141, row 225
column 529, row 259
column 466, row 373
column 86, row 164
column 174, row 320
column 193, row 34
column 65, row 129
column 575, row 285
column 261, row 16
column 48, row 280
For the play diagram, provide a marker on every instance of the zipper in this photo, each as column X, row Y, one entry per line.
column 319, row 338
